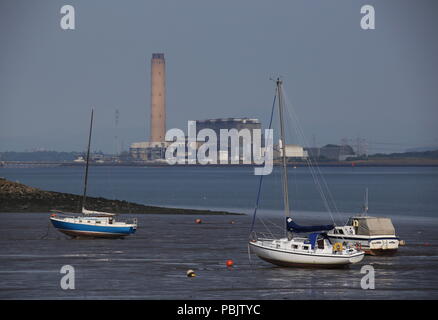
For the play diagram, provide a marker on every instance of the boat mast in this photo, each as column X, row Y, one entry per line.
column 365, row 206
column 283, row 149
column 88, row 159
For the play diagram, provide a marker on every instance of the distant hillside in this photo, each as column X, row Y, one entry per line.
column 17, row 197
column 422, row 149
column 411, row 155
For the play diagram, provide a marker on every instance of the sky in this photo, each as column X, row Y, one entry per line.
column 343, row 82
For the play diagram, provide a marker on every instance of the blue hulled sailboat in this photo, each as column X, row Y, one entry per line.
column 91, row 224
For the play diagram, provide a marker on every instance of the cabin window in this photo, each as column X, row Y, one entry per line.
column 294, row 246
column 97, row 221
column 305, row 247
column 321, row 243
column 340, row 231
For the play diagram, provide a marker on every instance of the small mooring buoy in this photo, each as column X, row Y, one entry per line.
column 198, row 221
column 229, row 263
column 191, row 273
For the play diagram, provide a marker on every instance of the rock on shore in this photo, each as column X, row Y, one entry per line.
column 17, row 197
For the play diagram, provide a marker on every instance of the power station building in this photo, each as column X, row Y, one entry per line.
column 332, row 152
column 228, row 124
column 158, row 98
column 156, row 146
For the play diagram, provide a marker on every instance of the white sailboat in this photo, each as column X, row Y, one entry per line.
column 315, row 250
column 94, row 224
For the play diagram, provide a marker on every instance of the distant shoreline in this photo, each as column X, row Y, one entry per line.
column 402, row 162
column 16, row 197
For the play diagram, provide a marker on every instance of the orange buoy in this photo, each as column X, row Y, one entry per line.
column 230, row 263
column 198, row 221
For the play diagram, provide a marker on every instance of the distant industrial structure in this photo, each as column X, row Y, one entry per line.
column 331, row 152
column 158, row 98
column 155, row 148
column 293, row 152
column 228, row 124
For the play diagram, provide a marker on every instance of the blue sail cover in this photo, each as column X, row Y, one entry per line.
column 293, row 227
column 313, row 237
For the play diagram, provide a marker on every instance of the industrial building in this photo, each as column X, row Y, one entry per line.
column 155, row 148
column 293, row 151
column 158, row 98
column 228, row 124
column 148, row 150
column 331, row 152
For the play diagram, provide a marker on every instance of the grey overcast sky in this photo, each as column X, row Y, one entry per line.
column 344, row 82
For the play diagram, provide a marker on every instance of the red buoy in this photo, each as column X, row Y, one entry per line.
column 230, row 263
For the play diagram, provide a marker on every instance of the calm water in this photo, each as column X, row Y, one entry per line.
column 152, row 263
column 392, row 191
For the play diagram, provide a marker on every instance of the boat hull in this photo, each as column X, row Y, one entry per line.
column 83, row 230
column 375, row 246
column 380, row 252
column 293, row 259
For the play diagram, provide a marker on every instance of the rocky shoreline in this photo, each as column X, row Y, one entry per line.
column 17, row 197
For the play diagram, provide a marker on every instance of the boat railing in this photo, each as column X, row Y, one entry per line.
column 130, row 221
column 59, row 212
column 260, row 236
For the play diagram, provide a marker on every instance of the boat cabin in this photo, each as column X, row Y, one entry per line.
column 314, row 241
column 370, row 226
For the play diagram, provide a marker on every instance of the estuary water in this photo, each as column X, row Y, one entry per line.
column 152, row 264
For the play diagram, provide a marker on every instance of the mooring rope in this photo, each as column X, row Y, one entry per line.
column 45, row 236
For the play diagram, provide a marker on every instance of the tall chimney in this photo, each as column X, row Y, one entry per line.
column 158, row 98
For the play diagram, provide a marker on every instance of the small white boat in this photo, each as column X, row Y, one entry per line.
column 316, row 250
column 94, row 224
column 374, row 235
